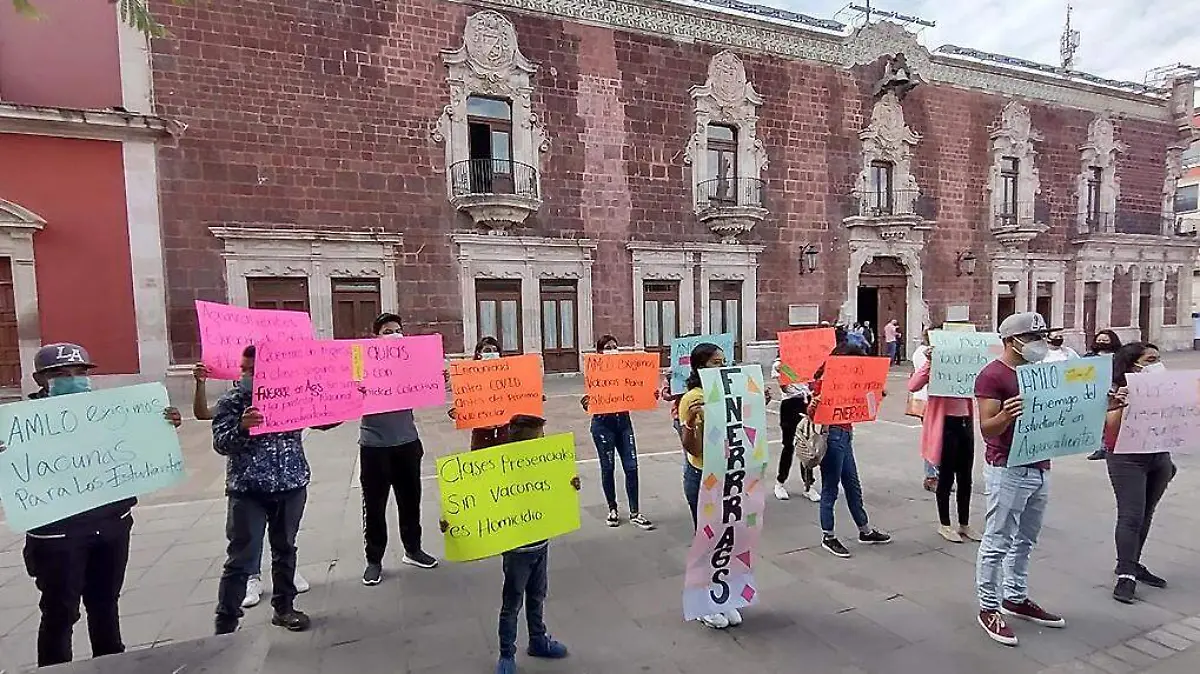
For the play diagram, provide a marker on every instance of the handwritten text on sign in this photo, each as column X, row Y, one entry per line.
column 68, row 454
column 1062, row 410
column 503, row 497
column 957, row 359
column 226, row 331
column 302, row 384
column 490, row 392
column 851, row 389
column 621, row 382
column 1163, row 413
column 733, row 487
column 681, row 356
column 802, row 352
column 400, row 373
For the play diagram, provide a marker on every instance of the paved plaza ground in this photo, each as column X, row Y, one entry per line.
column 614, row 598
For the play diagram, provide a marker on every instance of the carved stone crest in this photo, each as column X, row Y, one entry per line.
column 490, row 40
column 727, row 78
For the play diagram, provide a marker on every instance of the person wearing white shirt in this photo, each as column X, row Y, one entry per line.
column 919, row 358
column 1057, row 352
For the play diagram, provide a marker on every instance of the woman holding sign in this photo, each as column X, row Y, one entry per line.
column 1138, row 480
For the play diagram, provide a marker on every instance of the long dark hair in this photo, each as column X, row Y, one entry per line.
column 1126, row 358
column 605, row 339
column 1114, row 341
column 700, row 357
column 844, row 349
column 486, row 341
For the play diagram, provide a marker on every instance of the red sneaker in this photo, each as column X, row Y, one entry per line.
column 993, row 623
column 1032, row 612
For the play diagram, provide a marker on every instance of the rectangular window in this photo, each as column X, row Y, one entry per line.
column 355, row 306
column 489, row 137
column 277, row 292
column 880, row 197
column 724, row 311
column 722, row 164
column 1010, row 170
column 498, row 313
column 660, row 302
column 1095, row 178
column 1186, row 199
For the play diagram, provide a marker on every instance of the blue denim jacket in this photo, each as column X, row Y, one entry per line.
column 268, row 463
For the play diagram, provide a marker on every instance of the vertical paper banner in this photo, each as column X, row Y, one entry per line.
column 489, row 392
column 1163, row 413
column 957, row 359
column 302, row 384
column 681, row 356
column 733, row 487
column 503, row 497
column 401, row 373
column 225, row 331
column 803, row 352
column 620, row 382
column 1062, row 410
column 851, row 389
column 68, row 454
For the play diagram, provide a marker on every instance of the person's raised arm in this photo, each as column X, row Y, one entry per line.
column 1116, row 411
column 200, row 408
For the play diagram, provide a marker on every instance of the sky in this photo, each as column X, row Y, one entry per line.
column 1121, row 39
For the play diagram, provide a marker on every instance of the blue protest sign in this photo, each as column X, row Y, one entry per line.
column 956, row 359
column 1062, row 410
column 681, row 356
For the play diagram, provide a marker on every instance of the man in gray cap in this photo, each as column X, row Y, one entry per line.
column 82, row 556
column 1017, row 495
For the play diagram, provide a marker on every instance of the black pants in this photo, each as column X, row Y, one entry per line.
column 958, row 460
column 790, row 411
column 248, row 515
column 88, row 566
column 397, row 470
column 1139, row 482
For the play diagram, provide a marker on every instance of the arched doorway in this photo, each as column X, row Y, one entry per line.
column 883, row 295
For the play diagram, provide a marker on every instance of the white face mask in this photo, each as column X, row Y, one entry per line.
column 611, row 349
column 1155, row 367
column 1034, row 352
column 393, row 335
column 489, row 355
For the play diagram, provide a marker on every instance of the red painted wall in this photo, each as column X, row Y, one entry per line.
column 84, row 275
column 74, row 48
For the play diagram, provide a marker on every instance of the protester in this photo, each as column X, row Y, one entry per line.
column 891, row 330
column 390, row 454
column 83, row 556
column 613, row 434
column 1105, row 341
column 202, row 412
column 916, row 407
column 1016, row 495
column 1138, row 480
column 488, row 348
column 1056, row 351
column 839, row 467
column 948, row 439
column 792, row 407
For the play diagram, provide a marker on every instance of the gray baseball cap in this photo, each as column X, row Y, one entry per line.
column 61, row 354
column 1024, row 323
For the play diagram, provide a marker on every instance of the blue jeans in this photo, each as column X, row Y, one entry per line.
column 1016, row 503
column 613, row 435
column 838, row 466
column 691, row 487
column 525, row 581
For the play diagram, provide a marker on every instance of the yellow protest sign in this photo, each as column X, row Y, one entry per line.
column 503, row 497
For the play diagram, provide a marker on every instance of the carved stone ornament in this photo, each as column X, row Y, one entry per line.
column 1174, row 166
column 1100, row 151
column 887, row 138
column 1014, row 136
column 1183, row 104
column 885, row 38
column 898, row 77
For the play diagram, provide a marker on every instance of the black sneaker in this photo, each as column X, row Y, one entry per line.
column 874, row 537
column 639, row 520
column 1125, row 590
column 835, row 547
column 420, row 559
column 613, row 519
column 1097, row 455
column 225, row 626
column 1144, row 576
column 373, row 574
column 292, row 621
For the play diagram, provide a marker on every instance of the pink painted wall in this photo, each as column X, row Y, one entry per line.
column 68, row 58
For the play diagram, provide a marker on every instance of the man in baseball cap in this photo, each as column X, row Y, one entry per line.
column 64, row 366
column 1017, row 496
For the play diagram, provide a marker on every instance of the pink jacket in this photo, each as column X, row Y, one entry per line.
column 937, row 408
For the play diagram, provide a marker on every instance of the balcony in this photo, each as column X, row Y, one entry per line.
column 894, row 214
column 498, row 194
column 1016, row 224
column 731, row 206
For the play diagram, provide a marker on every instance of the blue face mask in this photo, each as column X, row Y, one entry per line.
column 247, row 382
column 65, row 385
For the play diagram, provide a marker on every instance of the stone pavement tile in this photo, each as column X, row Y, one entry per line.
column 146, row 599
column 1172, row 641
column 1187, row 662
column 1053, row 647
column 907, row 619
column 781, row 642
column 1182, row 630
column 651, row 597
column 1100, row 631
column 164, row 572
column 18, row 593
column 1130, row 656
column 150, row 541
column 1108, row 663
column 1073, row 667
column 10, row 618
column 204, row 594
column 1151, row 648
column 956, row 652
column 851, row 633
column 12, row 558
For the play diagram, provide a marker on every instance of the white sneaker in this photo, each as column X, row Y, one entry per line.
column 781, row 492
column 302, row 585
column 254, row 589
column 813, row 495
column 734, row 617
column 717, row 621
column 949, row 534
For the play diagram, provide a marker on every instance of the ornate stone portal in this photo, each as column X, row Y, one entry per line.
column 1014, row 137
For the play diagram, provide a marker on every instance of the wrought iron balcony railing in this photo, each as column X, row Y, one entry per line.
column 729, row 192
column 493, row 176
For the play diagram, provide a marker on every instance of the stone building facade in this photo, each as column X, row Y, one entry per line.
column 552, row 171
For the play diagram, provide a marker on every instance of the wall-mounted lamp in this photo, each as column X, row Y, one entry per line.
column 808, row 259
column 965, row 263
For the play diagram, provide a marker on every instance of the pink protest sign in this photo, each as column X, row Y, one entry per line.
column 302, row 384
column 225, row 331
column 403, row 373
column 1163, row 413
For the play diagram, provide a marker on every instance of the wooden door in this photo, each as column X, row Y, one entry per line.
column 498, row 313
column 1091, row 291
column 890, row 280
column 277, row 292
column 10, row 348
column 725, row 312
column 660, row 309
column 560, row 336
column 355, row 306
column 893, row 303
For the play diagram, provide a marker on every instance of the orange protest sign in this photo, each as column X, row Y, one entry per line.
column 851, row 389
column 489, row 392
column 621, row 382
column 802, row 352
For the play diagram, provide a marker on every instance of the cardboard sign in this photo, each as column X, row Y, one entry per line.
column 68, row 454
column 490, row 392
column 303, row 384
column 681, row 356
column 802, row 353
column 1163, row 413
column 733, row 487
column 400, row 373
column 620, row 382
column 851, row 389
column 503, row 497
column 1063, row 408
column 226, row 331
column 957, row 359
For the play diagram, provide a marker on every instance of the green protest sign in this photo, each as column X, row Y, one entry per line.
column 956, row 360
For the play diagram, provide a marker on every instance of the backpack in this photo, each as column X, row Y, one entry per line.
column 810, row 443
